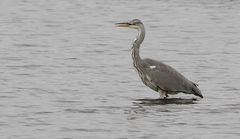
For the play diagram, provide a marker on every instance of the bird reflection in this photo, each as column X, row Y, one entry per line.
column 150, row 102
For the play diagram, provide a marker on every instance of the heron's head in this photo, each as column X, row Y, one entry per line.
column 135, row 24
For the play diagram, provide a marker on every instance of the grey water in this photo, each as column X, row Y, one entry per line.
column 66, row 71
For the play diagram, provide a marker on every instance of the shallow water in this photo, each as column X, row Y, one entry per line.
column 66, row 72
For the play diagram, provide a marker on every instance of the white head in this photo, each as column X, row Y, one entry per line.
column 135, row 24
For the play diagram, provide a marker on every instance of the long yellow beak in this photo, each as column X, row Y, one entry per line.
column 122, row 24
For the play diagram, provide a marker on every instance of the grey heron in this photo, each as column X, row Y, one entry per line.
column 156, row 75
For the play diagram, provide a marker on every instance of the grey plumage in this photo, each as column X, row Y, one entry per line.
column 157, row 75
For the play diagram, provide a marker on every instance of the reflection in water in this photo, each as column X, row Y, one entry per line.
column 160, row 107
column 150, row 102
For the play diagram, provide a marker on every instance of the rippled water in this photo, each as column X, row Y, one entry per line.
column 66, row 71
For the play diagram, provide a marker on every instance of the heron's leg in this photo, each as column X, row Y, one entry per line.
column 163, row 94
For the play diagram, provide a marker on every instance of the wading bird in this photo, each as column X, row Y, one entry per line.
column 157, row 75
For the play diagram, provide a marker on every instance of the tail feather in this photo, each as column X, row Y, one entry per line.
column 196, row 91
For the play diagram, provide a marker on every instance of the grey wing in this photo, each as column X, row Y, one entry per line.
column 166, row 78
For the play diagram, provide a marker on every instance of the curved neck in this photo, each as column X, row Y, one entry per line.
column 141, row 34
column 135, row 49
column 136, row 45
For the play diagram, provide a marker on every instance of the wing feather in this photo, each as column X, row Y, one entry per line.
column 166, row 77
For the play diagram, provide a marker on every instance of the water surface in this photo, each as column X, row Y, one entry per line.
column 66, row 72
